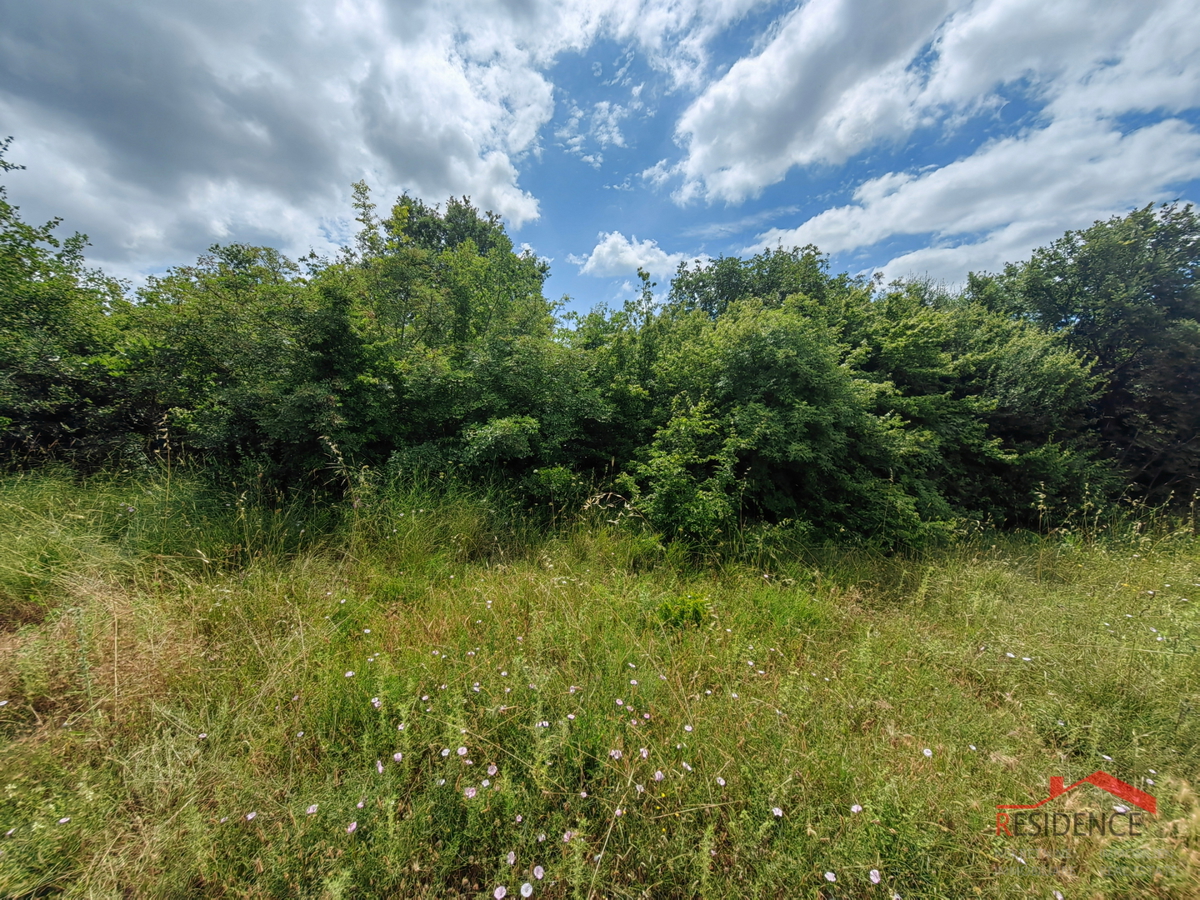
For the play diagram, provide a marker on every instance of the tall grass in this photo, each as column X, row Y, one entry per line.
column 177, row 663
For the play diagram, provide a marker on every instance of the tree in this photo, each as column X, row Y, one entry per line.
column 1124, row 293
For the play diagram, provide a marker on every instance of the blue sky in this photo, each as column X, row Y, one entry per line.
column 925, row 138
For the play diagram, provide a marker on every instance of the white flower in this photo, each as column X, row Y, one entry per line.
column 250, row 816
column 512, row 857
column 350, row 674
column 777, row 811
column 720, row 781
column 875, row 876
column 538, row 872
column 351, row 828
column 311, row 810
column 829, row 876
column 855, row 808
column 64, row 820
column 397, row 756
column 927, row 752
column 527, row 890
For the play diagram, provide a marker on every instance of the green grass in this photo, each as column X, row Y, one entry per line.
column 171, row 670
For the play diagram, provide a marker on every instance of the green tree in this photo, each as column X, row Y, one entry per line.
column 1124, row 293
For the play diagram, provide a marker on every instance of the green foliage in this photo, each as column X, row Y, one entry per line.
column 762, row 391
column 1124, row 294
column 58, row 390
column 684, row 610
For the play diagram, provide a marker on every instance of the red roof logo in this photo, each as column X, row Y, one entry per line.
column 1102, row 780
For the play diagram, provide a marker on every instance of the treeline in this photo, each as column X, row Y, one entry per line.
column 756, row 390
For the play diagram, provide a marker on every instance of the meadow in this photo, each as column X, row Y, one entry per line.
column 428, row 693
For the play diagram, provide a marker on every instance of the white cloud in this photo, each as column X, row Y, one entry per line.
column 615, row 254
column 160, row 129
column 1017, row 192
column 840, row 76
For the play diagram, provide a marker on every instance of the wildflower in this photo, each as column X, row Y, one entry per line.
column 1058, row 895
column 615, row 754
column 618, row 812
column 492, row 770
column 445, row 751
column 658, row 776
column 351, row 828
column 400, row 727
column 201, row 736
column 397, row 756
column 469, row 793
column 3, row 703
column 10, row 832
column 299, row 734
column 1121, row 809
column 486, row 783
column 512, row 857
column 441, row 781
column 503, row 674
column 735, row 696
column 1011, row 655
column 224, row 819
column 571, row 716
column 462, row 751
column 376, row 702
column 527, row 890
column 972, row 746
column 640, row 789
column 645, row 753
column 250, row 816
column 855, row 808
column 620, row 702
column 633, row 681
column 539, row 873
column 829, row 876
column 686, row 766
column 567, row 837
column 64, row 820
column 350, row 674
column 777, row 811
column 572, row 689
column 366, row 631
column 379, row 766
column 720, row 781
column 875, row 876
column 361, row 802
column 583, row 793
column 541, row 837
column 927, row 752
column 687, row 727
column 311, row 810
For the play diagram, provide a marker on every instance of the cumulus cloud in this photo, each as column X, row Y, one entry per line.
column 159, row 128
column 615, row 255
column 840, row 76
column 1017, row 193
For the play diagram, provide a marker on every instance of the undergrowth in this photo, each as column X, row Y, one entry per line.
column 418, row 693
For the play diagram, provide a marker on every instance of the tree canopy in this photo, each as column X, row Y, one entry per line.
column 762, row 389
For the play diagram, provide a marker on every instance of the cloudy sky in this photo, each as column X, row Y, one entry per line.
column 916, row 137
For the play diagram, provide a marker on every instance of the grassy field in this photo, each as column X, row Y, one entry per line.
column 209, row 694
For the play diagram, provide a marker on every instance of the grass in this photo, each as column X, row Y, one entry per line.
column 175, row 663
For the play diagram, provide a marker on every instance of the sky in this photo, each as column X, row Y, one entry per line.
column 922, row 138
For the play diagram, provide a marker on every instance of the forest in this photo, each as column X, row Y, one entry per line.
column 761, row 390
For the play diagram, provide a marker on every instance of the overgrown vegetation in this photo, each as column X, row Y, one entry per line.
column 381, row 576
column 211, row 695
column 765, row 390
